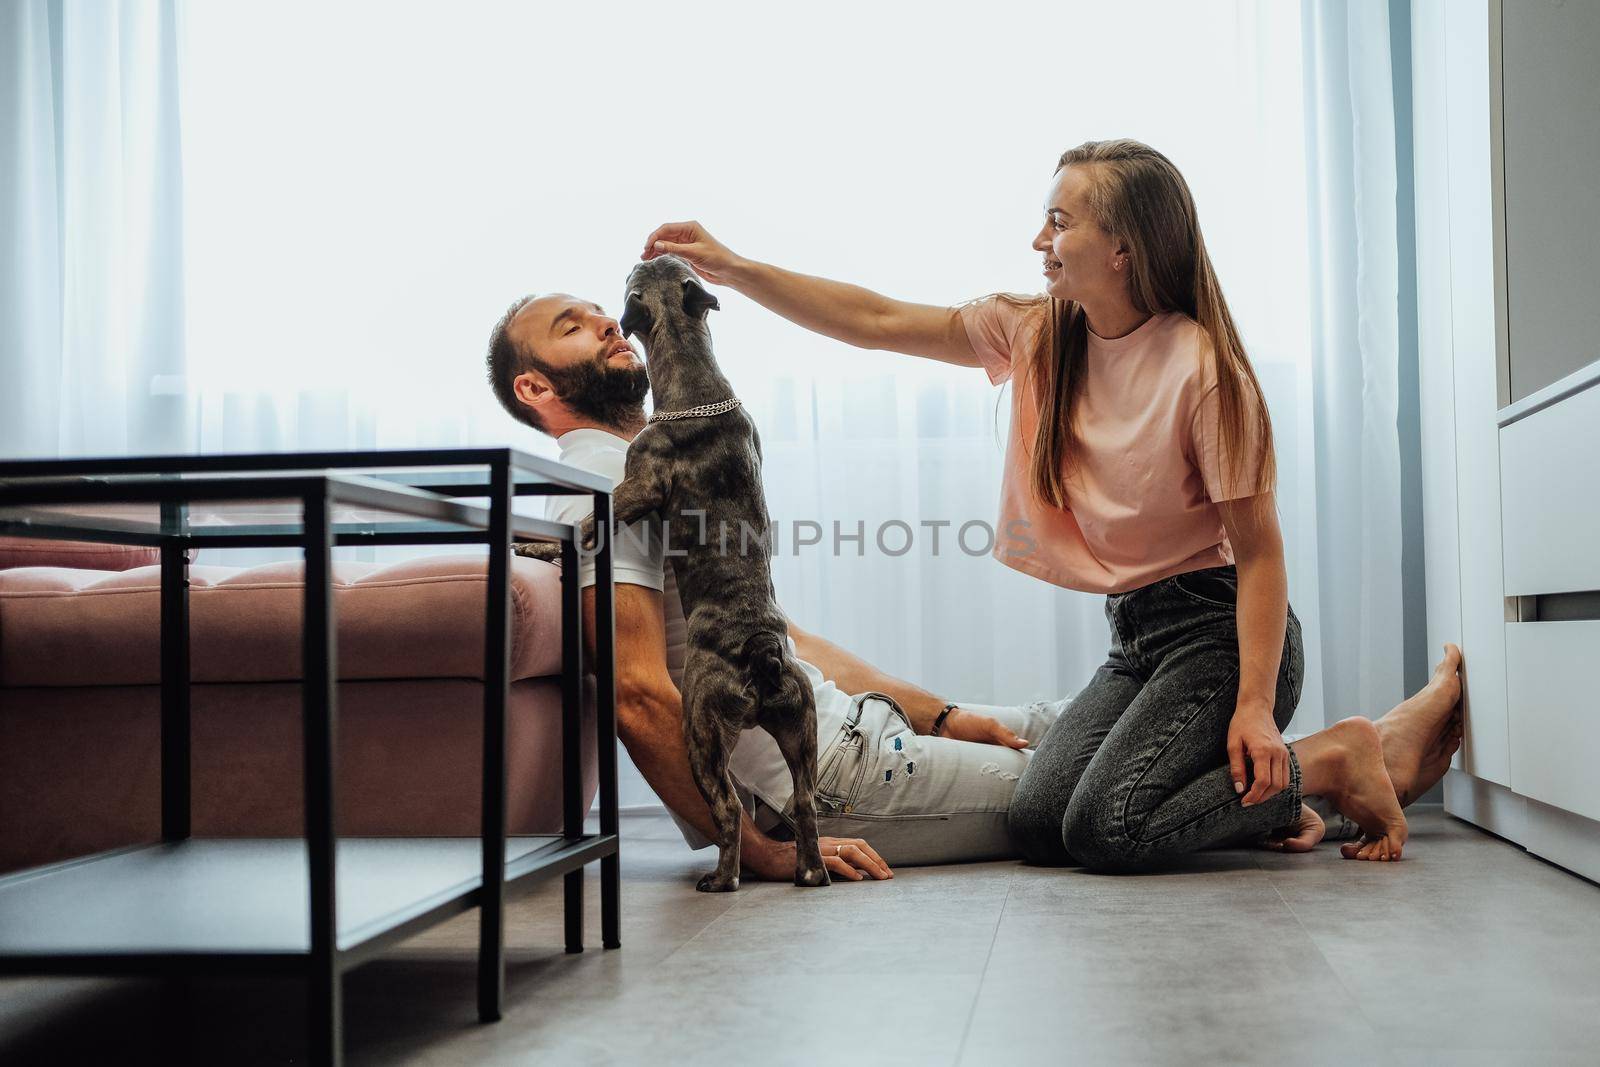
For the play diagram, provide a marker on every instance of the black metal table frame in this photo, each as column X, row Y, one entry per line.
column 507, row 473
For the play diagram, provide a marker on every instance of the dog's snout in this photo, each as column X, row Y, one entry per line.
column 636, row 318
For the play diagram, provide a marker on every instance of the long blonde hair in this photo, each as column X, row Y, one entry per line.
column 1142, row 201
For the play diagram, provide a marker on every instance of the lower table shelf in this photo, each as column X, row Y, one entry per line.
column 225, row 904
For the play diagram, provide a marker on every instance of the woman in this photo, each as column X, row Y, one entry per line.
column 1140, row 464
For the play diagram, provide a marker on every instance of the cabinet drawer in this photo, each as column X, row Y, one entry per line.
column 1550, row 497
column 1553, row 709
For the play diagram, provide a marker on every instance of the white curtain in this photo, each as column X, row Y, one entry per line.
column 365, row 186
column 91, row 294
column 1356, row 348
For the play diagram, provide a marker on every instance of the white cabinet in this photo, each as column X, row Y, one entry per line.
column 1555, row 713
column 1511, row 478
column 1550, row 469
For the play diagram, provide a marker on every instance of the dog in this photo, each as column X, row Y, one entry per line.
column 697, row 465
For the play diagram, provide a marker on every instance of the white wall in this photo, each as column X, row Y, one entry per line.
column 1456, row 320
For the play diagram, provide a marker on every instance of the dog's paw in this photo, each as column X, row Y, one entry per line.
column 713, row 883
column 815, row 877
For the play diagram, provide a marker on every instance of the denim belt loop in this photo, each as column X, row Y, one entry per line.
column 1119, row 643
column 852, row 721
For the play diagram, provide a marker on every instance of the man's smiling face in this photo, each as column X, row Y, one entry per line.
column 582, row 368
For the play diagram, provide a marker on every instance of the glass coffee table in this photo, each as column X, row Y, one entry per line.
column 320, row 906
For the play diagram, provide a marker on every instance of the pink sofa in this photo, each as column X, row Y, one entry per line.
column 80, row 699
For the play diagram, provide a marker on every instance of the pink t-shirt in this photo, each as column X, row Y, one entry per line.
column 1142, row 504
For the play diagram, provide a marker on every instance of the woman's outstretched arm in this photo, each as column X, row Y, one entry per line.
column 1263, row 609
column 839, row 310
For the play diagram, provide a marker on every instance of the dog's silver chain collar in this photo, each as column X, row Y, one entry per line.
column 703, row 411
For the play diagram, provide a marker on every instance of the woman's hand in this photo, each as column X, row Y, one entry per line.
column 970, row 726
column 1254, row 739
column 710, row 258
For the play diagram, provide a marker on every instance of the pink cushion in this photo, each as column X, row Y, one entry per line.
column 80, row 769
column 36, row 552
column 422, row 618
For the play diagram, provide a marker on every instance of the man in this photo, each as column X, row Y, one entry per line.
column 929, row 780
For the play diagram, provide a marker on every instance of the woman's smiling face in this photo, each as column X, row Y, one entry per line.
column 1080, row 258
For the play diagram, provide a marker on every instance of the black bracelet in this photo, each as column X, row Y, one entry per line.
column 939, row 722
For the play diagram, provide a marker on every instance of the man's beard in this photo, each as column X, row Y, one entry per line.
column 611, row 396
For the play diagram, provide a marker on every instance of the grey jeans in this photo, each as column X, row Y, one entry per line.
column 1135, row 769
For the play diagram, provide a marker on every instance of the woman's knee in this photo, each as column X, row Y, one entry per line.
column 1035, row 829
column 1096, row 837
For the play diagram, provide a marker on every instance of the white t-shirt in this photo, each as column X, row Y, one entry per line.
column 638, row 558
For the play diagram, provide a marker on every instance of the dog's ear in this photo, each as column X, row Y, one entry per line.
column 636, row 318
column 697, row 300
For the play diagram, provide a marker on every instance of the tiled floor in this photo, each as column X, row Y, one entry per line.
column 1469, row 951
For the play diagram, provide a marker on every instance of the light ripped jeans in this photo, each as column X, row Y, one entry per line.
column 919, row 799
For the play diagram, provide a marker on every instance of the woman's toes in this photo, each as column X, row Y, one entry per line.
column 1302, row 836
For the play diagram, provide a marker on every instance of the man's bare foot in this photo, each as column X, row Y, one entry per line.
column 1302, row 836
column 1423, row 732
column 1345, row 764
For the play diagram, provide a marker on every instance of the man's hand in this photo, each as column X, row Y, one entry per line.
column 1254, row 737
column 709, row 257
column 853, row 859
column 970, row 726
column 549, row 551
column 849, row 858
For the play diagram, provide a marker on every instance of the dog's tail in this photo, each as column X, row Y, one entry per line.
column 765, row 673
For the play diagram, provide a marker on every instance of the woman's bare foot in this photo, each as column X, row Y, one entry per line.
column 1301, row 836
column 1345, row 764
column 1423, row 732
column 1437, row 761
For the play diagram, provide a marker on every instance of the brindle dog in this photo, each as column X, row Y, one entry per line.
column 702, row 475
